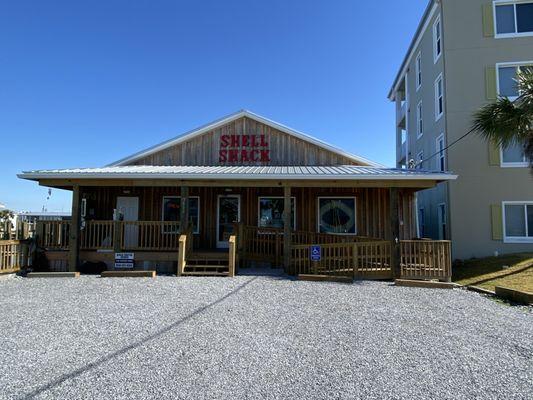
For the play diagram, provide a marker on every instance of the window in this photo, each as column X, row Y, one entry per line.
column 336, row 215
column 439, row 98
column 441, row 215
column 437, row 39
column 419, row 159
column 507, row 78
column 513, row 156
column 441, row 159
column 518, row 221
column 418, row 68
column 271, row 212
column 421, row 222
column 513, row 18
column 171, row 212
column 419, row 121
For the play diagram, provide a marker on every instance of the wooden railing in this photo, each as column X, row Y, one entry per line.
column 14, row 255
column 359, row 260
column 97, row 235
column 426, row 259
column 372, row 260
column 303, row 237
column 266, row 244
column 150, row 235
column 185, row 243
column 232, row 255
column 53, row 234
column 261, row 244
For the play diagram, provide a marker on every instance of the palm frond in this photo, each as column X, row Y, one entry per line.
column 503, row 122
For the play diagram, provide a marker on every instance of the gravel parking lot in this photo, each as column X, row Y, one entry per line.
column 257, row 337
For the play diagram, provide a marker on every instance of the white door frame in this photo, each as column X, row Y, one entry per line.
column 222, row 244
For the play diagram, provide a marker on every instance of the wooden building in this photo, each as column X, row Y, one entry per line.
column 250, row 190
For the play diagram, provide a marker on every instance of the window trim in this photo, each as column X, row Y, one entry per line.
column 197, row 231
column 335, row 197
column 259, row 198
column 516, row 34
column 441, row 154
column 438, row 22
column 509, row 64
column 441, row 79
column 419, row 120
column 516, row 239
column 504, row 164
column 418, row 71
column 419, row 159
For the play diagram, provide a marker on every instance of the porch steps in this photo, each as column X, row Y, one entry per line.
column 208, row 258
column 206, row 270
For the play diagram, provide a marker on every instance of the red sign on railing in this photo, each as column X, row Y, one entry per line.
column 243, row 149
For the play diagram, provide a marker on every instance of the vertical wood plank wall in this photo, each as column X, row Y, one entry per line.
column 284, row 149
column 372, row 207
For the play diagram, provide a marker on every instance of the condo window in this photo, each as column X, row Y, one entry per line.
column 518, row 221
column 514, row 18
column 437, row 39
column 419, row 121
column 418, row 68
column 514, row 155
column 507, row 79
column 271, row 212
column 336, row 215
column 441, row 159
column 171, row 212
column 439, row 98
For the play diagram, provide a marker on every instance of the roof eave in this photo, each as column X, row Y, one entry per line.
column 430, row 9
column 246, row 177
column 232, row 117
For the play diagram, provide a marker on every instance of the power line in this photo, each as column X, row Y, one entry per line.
column 444, row 149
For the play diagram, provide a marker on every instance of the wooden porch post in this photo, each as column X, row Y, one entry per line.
column 73, row 247
column 184, row 209
column 287, row 228
column 394, row 231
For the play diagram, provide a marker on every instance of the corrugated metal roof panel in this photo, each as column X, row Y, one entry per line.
column 238, row 172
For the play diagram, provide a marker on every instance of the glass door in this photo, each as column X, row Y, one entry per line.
column 228, row 212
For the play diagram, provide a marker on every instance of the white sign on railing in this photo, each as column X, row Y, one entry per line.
column 124, row 260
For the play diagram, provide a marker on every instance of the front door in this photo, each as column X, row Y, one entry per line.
column 129, row 208
column 228, row 212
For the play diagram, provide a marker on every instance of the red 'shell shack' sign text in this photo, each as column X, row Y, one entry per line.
column 243, row 148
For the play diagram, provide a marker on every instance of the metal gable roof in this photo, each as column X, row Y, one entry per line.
column 343, row 172
column 232, row 117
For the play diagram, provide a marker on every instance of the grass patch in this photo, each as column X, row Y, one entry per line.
column 488, row 272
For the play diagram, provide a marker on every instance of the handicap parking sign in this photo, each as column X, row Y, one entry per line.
column 316, row 253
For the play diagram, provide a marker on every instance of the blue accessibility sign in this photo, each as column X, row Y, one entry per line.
column 316, row 253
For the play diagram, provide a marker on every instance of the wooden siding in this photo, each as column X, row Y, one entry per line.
column 284, row 149
column 372, row 207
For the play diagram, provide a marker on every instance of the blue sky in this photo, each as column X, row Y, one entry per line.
column 86, row 83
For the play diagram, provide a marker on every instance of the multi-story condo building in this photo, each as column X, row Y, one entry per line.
column 465, row 54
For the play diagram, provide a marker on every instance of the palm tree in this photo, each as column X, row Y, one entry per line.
column 507, row 122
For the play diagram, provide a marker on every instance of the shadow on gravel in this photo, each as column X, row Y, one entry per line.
column 132, row 346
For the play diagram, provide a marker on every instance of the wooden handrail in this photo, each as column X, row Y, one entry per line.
column 231, row 255
column 185, row 243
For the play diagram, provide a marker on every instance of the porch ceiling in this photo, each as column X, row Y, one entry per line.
column 269, row 175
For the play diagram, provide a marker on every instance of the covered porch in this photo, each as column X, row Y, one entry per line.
column 364, row 225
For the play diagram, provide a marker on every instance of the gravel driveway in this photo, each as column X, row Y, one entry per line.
column 257, row 337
